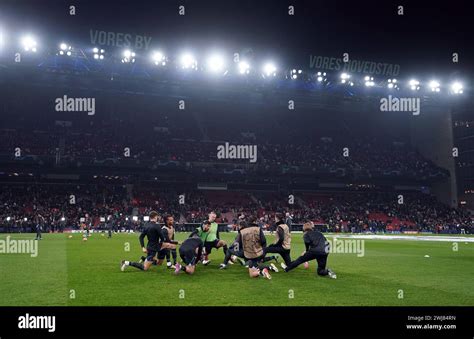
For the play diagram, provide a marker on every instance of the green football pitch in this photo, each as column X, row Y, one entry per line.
column 72, row 272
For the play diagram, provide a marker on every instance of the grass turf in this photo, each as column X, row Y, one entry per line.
column 68, row 271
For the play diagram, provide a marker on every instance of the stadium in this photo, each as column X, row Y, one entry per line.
column 106, row 137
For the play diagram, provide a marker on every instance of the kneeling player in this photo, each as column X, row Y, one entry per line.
column 282, row 244
column 190, row 252
column 253, row 242
column 317, row 247
column 157, row 242
column 211, row 238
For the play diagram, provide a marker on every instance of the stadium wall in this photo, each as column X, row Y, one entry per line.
column 432, row 135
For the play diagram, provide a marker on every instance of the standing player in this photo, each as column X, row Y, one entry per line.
column 169, row 229
column 317, row 247
column 211, row 238
column 253, row 243
column 39, row 227
column 156, row 240
column 190, row 251
column 282, row 244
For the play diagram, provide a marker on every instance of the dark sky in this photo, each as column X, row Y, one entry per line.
column 422, row 41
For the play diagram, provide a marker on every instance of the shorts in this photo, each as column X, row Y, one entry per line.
column 208, row 245
column 188, row 256
column 253, row 263
column 151, row 255
column 162, row 253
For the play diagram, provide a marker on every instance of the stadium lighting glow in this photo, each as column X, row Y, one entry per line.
column 128, row 56
column 369, row 81
column 414, row 84
column 269, row 69
column 321, row 76
column 25, row 219
column 215, row 64
column 244, row 67
column 188, row 61
column 63, row 218
column 457, row 88
column 158, row 58
column 392, row 83
column 65, row 49
column 146, row 218
column 345, row 77
column 294, row 73
column 8, row 218
column 29, row 44
column 434, row 85
column 98, row 53
column 135, row 218
column 1, row 39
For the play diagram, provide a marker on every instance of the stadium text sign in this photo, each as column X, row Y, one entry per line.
column 114, row 39
column 12, row 246
column 353, row 66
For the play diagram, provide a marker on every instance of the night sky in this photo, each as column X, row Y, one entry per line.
column 421, row 42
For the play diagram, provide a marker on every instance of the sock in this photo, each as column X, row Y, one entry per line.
column 225, row 248
column 137, row 265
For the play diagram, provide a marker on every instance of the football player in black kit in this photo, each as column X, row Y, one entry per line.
column 156, row 239
column 190, row 251
column 317, row 247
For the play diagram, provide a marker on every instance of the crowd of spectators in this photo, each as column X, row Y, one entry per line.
column 336, row 156
column 61, row 207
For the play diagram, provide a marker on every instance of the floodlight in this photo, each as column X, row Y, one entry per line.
column 321, row 76
column 269, row 69
column 29, row 44
column 128, row 56
column 414, row 84
column 244, row 67
column 345, row 77
column 457, row 88
column 294, row 73
column 158, row 58
column 392, row 83
column 215, row 64
column 434, row 85
column 188, row 61
column 369, row 81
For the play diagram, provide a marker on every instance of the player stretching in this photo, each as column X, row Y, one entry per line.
column 236, row 253
column 190, row 252
column 169, row 229
column 211, row 238
column 253, row 242
column 317, row 247
column 282, row 244
column 156, row 239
